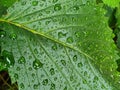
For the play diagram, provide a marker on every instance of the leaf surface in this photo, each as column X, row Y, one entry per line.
column 59, row 45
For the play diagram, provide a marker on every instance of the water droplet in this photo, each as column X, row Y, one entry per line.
column 21, row 60
column 8, row 58
column 22, row 86
column 70, row 40
column 23, row 3
column 35, row 3
column 45, row 82
column 85, row 73
column 33, row 75
column 60, row 35
column 16, row 76
column 57, row 7
column 30, row 68
column 52, row 72
column 77, row 34
column 18, row 68
column 95, row 79
column 71, row 78
column 2, row 33
column 75, row 58
column 37, row 64
column 47, row 22
column 84, row 81
column 52, row 86
column 80, row 64
column 35, row 51
column 13, row 36
column 65, row 88
column 54, row 1
column 35, row 86
column 54, row 47
column 76, row 7
column 63, row 62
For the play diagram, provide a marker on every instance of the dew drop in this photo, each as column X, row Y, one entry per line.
column 95, row 79
column 35, row 51
column 52, row 72
column 85, row 73
column 18, row 68
column 8, row 58
column 84, row 81
column 71, row 78
column 16, row 76
column 52, row 86
column 54, row 1
column 80, row 64
column 45, row 82
column 57, row 7
column 30, row 68
column 63, row 62
column 23, row 3
column 37, row 64
column 75, row 58
column 77, row 34
column 60, row 35
column 21, row 60
column 76, row 7
column 54, row 47
column 70, row 40
column 65, row 88
column 35, row 3
column 35, row 86
column 33, row 75
column 22, row 86
column 2, row 33
column 13, row 36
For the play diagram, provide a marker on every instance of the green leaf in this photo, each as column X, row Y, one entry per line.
column 112, row 3
column 59, row 45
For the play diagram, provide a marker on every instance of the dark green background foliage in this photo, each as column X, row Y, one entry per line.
column 61, row 44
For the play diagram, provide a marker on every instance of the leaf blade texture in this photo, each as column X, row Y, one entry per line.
column 59, row 45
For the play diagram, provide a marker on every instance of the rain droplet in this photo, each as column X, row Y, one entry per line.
column 33, row 75
column 76, row 7
column 75, row 58
column 85, row 73
column 37, row 64
column 16, row 76
column 65, row 88
column 2, row 33
column 63, row 62
column 54, row 47
column 35, row 3
column 35, row 51
column 35, row 86
column 21, row 60
column 77, row 34
column 18, row 68
column 8, row 58
column 45, row 82
column 95, row 79
column 84, row 81
column 57, row 7
column 80, row 64
column 22, row 86
column 52, row 86
column 23, row 3
column 52, row 72
column 54, row 1
column 60, row 35
column 70, row 40
column 71, row 78
column 13, row 36
column 30, row 68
